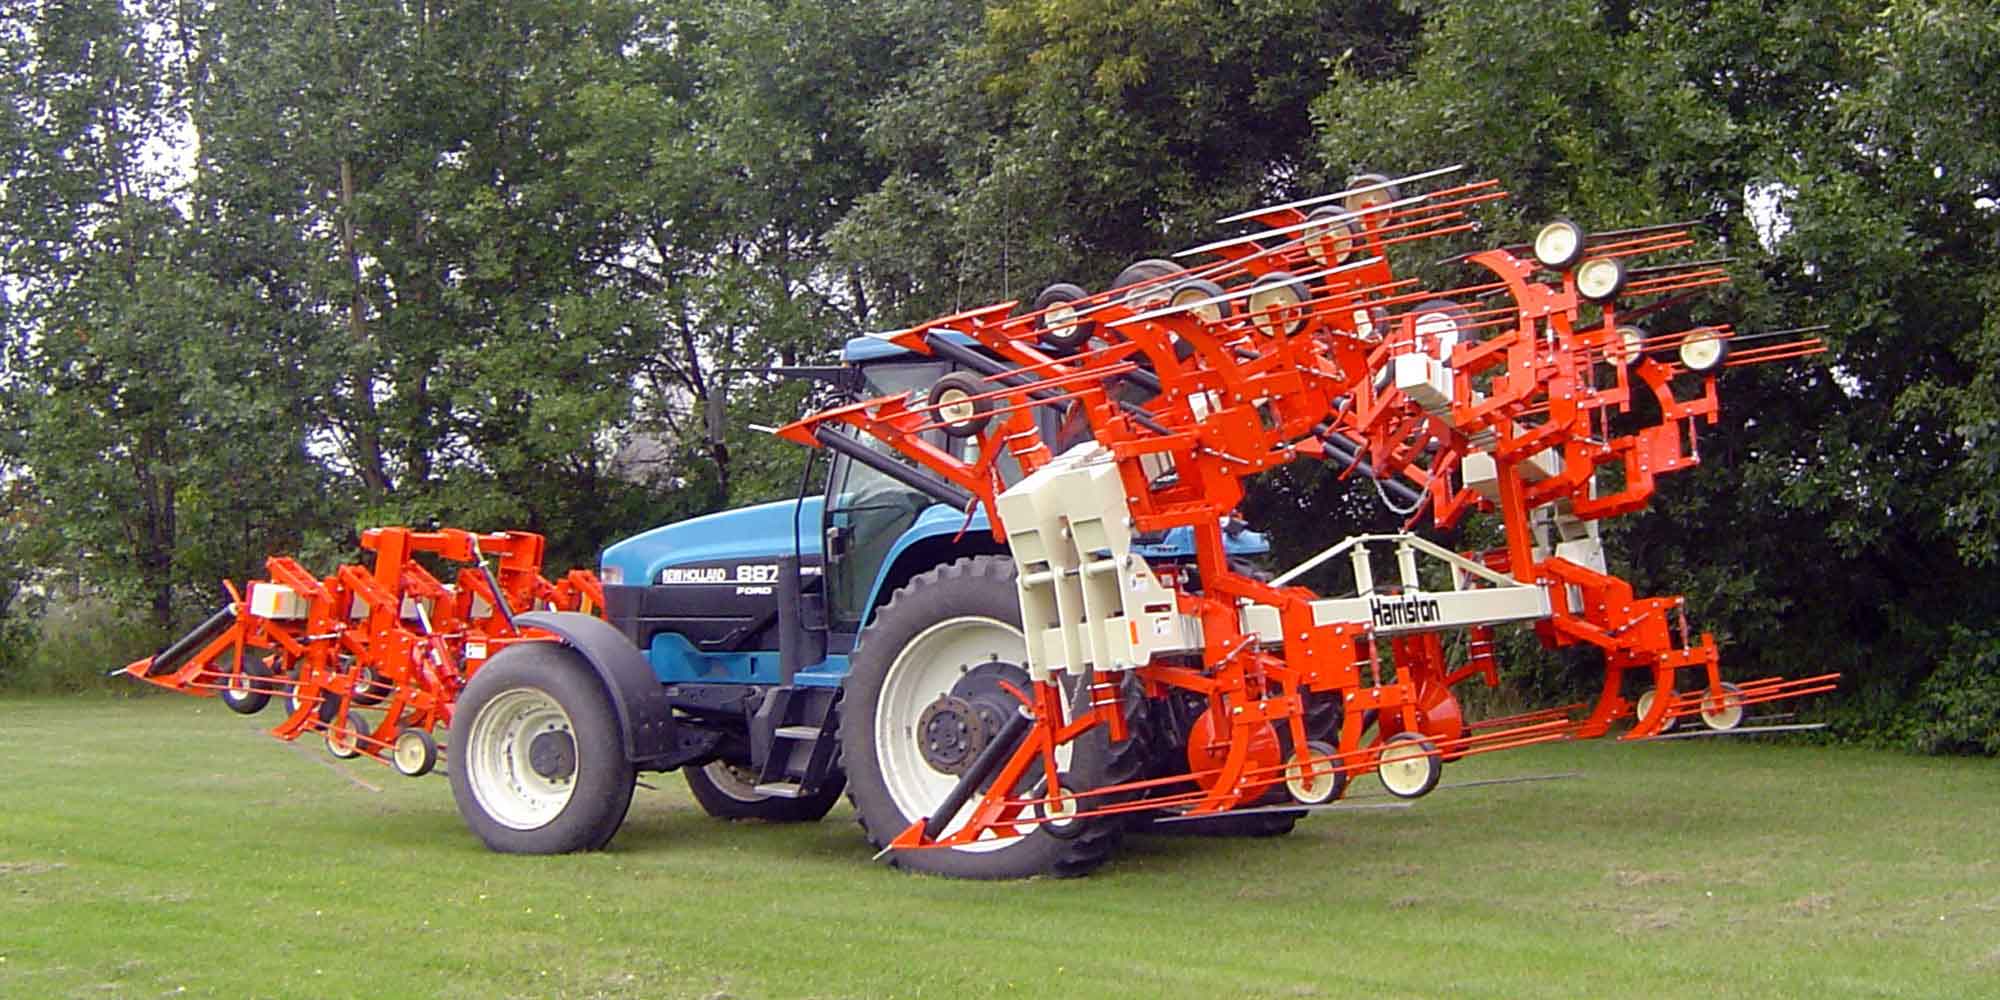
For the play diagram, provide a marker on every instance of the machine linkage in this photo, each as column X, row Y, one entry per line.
column 389, row 640
column 1524, row 392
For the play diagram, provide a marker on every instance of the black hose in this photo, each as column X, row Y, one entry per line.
column 168, row 660
column 983, row 766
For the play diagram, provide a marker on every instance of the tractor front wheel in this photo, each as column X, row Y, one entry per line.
column 926, row 693
column 726, row 791
column 537, row 760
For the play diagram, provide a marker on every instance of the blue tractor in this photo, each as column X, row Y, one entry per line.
column 863, row 638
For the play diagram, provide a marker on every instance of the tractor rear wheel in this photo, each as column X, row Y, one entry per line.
column 726, row 791
column 924, row 695
column 537, row 759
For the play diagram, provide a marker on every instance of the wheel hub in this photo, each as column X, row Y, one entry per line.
column 552, row 755
column 951, row 733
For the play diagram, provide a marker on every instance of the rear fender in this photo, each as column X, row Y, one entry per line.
column 645, row 714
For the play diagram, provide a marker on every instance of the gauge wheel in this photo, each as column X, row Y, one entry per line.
column 343, row 738
column 1409, row 766
column 537, row 760
column 1439, row 325
column 1277, row 304
column 1724, row 711
column 728, row 791
column 247, row 691
column 1061, row 327
column 414, row 753
column 954, row 404
column 925, row 692
column 1644, row 706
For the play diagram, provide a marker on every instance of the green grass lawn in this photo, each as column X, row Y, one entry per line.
column 160, row 845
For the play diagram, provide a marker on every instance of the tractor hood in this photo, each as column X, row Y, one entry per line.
column 763, row 532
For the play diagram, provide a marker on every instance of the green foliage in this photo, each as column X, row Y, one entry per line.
column 72, row 646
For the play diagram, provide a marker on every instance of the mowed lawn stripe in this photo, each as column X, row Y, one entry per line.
column 160, row 844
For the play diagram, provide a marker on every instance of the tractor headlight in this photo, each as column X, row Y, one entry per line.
column 1559, row 244
column 609, row 574
column 1599, row 279
column 1704, row 352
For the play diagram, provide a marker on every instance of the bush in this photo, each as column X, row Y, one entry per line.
column 1957, row 709
column 76, row 643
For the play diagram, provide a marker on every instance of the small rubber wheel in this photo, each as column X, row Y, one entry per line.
column 371, row 688
column 246, row 691
column 1438, row 326
column 1628, row 346
column 1332, row 240
column 1644, row 706
column 1559, row 244
column 726, row 791
column 1276, row 304
column 1704, row 353
column 1409, row 766
column 1383, row 194
column 1724, row 711
column 414, row 753
column 1317, row 783
column 343, row 739
column 536, row 757
column 1144, row 271
column 953, row 402
column 1201, row 290
column 1061, row 327
column 326, row 712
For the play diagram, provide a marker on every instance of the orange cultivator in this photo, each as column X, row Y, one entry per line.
column 1527, row 392
column 390, row 640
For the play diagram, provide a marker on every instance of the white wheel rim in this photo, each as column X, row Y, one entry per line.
column 1597, row 278
column 1210, row 313
column 1555, row 244
column 1405, row 768
column 344, row 739
column 955, row 406
column 504, row 783
column 1701, row 355
column 237, row 691
column 1060, row 320
column 1725, row 712
column 1270, row 306
column 732, row 781
column 1312, row 784
column 1644, row 705
column 925, row 668
column 409, row 752
column 1437, row 333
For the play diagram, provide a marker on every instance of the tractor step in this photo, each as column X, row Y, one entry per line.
column 781, row 789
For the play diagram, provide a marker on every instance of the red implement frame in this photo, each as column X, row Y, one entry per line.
column 1302, row 354
column 389, row 640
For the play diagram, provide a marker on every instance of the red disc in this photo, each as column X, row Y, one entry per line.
column 1208, row 747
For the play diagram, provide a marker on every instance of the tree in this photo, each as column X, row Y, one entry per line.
column 1828, row 128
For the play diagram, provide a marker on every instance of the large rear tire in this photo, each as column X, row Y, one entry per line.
column 537, row 760
column 955, row 624
column 726, row 791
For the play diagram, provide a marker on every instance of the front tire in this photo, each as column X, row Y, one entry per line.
column 537, row 760
column 726, row 791
column 923, row 646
